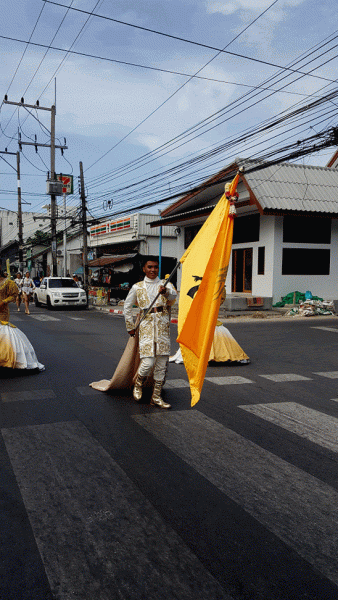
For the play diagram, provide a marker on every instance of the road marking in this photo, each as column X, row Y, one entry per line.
column 27, row 395
column 44, row 318
column 297, row 507
column 305, row 422
column 76, row 318
column 98, row 536
column 234, row 380
column 328, row 374
column 176, row 383
column 280, row 377
column 335, row 329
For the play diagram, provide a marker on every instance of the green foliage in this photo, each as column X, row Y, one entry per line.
column 43, row 238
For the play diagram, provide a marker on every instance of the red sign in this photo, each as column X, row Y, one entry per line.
column 67, row 180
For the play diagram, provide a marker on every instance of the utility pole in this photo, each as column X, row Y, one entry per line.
column 53, row 196
column 54, row 188
column 19, row 213
column 65, row 236
column 84, row 229
column 20, row 226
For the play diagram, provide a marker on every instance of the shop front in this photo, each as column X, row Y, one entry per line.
column 112, row 277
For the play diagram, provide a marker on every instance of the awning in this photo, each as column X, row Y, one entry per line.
column 110, row 259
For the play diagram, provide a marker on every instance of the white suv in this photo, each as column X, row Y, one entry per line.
column 59, row 291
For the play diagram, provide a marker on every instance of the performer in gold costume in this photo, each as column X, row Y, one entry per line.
column 154, row 338
column 16, row 351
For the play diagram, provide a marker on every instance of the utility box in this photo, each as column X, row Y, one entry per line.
column 54, row 187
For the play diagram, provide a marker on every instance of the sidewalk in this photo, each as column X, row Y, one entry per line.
column 276, row 314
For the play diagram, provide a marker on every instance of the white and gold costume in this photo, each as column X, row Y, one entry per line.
column 154, row 329
column 16, row 351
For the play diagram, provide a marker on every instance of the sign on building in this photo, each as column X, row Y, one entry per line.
column 110, row 227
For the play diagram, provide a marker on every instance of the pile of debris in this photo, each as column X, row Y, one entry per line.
column 311, row 308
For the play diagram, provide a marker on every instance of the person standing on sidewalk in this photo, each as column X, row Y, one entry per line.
column 154, row 330
column 27, row 290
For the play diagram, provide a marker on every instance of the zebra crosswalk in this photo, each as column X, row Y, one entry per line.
column 273, row 377
column 294, row 505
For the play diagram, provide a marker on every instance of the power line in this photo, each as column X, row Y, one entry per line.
column 186, row 40
column 147, row 67
column 166, row 145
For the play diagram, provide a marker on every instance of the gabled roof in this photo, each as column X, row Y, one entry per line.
column 283, row 188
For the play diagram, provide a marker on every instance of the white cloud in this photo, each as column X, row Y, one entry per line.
column 253, row 6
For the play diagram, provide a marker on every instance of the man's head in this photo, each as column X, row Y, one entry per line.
column 151, row 267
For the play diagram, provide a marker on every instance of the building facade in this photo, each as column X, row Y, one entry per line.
column 285, row 233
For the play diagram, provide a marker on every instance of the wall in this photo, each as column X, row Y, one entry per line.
column 325, row 286
column 261, row 284
column 168, row 246
column 11, row 232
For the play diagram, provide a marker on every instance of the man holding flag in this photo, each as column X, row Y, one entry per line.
column 154, row 299
column 205, row 265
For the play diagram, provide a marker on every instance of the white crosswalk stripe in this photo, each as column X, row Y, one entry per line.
column 305, row 422
column 231, row 380
column 44, row 318
column 334, row 329
column 280, row 377
column 297, row 507
column 328, row 374
column 76, row 318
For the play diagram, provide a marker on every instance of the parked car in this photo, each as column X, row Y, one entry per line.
column 59, row 291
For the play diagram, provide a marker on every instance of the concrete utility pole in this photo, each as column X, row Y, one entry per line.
column 19, row 213
column 52, row 147
column 53, row 196
column 20, row 226
column 65, row 235
column 84, row 229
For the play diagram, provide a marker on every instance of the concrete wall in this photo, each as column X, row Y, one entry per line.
column 261, row 284
column 9, row 223
column 325, row 286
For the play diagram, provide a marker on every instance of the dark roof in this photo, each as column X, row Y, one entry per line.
column 110, row 259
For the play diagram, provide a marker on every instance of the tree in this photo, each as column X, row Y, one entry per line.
column 42, row 238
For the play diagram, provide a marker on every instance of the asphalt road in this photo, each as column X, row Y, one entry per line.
column 102, row 498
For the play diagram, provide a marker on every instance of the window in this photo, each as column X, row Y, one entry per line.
column 246, row 229
column 307, row 230
column 190, row 233
column 299, row 261
column 261, row 260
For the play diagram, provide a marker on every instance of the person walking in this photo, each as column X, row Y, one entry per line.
column 27, row 290
column 18, row 280
column 154, row 337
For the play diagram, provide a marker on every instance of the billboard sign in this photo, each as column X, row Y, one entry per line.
column 67, row 181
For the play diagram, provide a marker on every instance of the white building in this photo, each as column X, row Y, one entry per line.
column 131, row 233
column 31, row 222
column 285, row 234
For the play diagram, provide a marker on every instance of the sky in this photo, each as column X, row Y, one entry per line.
column 112, row 114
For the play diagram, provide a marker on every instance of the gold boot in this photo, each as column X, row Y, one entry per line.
column 156, row 399
column 137, row 391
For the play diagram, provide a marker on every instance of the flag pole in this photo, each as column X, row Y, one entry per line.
column 159, row 293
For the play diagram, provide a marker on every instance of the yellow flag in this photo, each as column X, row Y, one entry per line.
column 205, row 265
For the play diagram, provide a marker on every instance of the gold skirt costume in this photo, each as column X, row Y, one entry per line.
column 16, row 351
column 224, row 348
